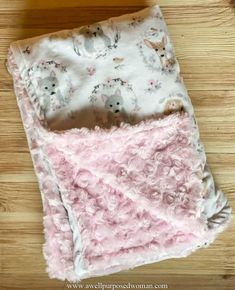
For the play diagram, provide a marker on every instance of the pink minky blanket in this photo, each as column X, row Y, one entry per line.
column 119, row 197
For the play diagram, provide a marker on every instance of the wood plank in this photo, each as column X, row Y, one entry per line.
column 18, row 197
column 32, row 4
column 66, row 18
column 40, row 281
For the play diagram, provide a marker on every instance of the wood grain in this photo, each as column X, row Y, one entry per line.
column 37, row 4
column 203, row 34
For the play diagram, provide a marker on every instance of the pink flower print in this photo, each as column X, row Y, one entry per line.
column 135, row 21
column 108, row 81
column 151, row 82
column 91, row 71
column 42, row 62
column 153, row 85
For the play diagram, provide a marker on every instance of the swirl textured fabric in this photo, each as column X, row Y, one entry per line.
column 115, row 146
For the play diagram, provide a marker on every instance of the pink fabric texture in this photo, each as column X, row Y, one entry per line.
column 134, row 191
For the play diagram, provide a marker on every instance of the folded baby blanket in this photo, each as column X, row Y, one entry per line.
column 115, row 146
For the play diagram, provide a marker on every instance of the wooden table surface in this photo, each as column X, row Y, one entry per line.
column 203, row 33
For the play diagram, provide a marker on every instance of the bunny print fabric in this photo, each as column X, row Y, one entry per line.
column 115, row 146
